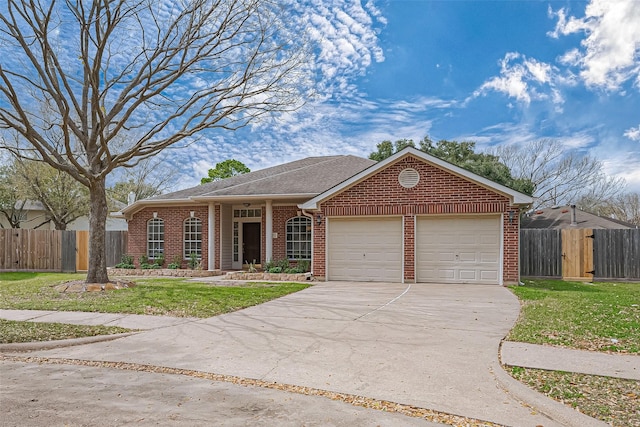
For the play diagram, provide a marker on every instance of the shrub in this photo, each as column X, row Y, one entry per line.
column 194, row 261
column 304, row 266
column 126, row 261
column 175, row 263
column 159, row 260
column 274, row 269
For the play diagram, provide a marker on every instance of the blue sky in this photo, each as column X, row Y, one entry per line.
column 494, row 72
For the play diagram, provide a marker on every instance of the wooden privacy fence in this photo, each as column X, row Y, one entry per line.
column 580, row 254
column 54, row 250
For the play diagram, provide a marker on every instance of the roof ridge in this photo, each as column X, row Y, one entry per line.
column 328, row 159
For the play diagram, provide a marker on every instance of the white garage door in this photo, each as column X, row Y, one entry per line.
column 365, row 249
column 458, row 249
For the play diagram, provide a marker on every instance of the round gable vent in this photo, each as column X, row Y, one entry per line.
column 409, row 178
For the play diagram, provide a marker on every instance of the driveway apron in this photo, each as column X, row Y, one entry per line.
column 432, row 346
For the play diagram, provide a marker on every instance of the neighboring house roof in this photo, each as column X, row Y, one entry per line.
column 30, row 205
column 559, row 217
column 516, row 197
column 299, row 179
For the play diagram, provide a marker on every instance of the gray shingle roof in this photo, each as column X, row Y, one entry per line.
column 560, row 217
column 305, row 177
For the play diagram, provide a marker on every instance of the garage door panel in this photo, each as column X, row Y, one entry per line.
column 458, row 249
column 444, row 274
column 468, row 275
column 489, row 276
column 468, row 257
column 491, row 257
column 367, row 249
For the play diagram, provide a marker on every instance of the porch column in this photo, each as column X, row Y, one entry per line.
column 211, row 244
column 269, row 230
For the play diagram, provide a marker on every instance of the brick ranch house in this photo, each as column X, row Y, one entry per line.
column 409, row 218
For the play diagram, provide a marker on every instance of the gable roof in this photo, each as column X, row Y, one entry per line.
column 516, row 197
column 559, row 217
column 300, row 179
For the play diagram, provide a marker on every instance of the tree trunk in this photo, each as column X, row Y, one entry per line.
column 97, row 231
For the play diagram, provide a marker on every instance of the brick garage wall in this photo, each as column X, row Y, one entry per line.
column 174, row 218
column 438, row 192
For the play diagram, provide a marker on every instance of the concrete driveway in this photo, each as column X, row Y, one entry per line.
column 432, row 346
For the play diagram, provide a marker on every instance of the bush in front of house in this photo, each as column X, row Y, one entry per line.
column 158, row 262
column 283, row 266
column 126, row 261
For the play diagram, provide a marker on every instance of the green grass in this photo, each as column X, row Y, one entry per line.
column 156, row 296
column 588, row 316
column 613, row 400
column 19, row 332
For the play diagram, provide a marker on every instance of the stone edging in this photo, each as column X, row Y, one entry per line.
column 283, row 277
column 163, row 272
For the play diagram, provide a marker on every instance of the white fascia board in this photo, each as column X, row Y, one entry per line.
column 138, row 205
column 517, row 197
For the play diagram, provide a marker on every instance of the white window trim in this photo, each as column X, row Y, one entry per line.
column 308, row 223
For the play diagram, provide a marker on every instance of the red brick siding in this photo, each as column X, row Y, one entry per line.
column 173, row 231
column 281, row 214
column 409, row 247
column 511, row 247
column 438, row 192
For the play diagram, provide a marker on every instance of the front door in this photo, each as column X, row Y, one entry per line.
column 251, row 242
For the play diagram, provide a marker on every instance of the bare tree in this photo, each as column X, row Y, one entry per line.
column 559, row 176
column 151, row 177
column 625, row 207
column 160, row 70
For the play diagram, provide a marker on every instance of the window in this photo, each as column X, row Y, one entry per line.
column 247, row 213
column 299, row 238
column 155, row 238
column 192, row 237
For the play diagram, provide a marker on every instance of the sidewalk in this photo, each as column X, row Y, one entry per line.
column 511, row 353
column 564, row 359
column 129, row 321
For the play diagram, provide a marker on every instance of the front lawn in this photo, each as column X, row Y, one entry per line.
column 19, row 332
column 586, row 316
column 156, row 296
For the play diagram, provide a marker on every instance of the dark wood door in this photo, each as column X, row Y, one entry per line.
column 251, row 242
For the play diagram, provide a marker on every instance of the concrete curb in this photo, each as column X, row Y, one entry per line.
column 48, row 345
column 554, row 410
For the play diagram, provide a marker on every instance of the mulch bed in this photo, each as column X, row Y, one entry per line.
column 78, row 286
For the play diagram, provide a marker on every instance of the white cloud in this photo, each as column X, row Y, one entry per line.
column 524, row 79
column 633, row 133
column 610, row 53
column 346, row 38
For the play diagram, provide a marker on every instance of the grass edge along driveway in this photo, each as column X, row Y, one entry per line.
column 586, row 316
